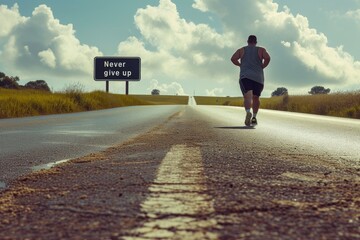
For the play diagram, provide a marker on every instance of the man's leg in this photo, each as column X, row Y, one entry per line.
column 258, row 88
column 255, row 104
column 248, row 96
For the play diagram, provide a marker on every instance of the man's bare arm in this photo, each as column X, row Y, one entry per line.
column 266, row 57
column 237, row 56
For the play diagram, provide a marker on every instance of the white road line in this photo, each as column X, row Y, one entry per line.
column 178, row 206
column 192, row 101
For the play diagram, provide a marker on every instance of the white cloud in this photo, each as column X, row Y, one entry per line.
column 153, row 63
column 9, row 17
column 214, row 92
column 175, row 48
column 173, row 88
column 48, row 58
column 355, row 14
column 200, row 5
column 188, row 54
column 40, row 44
column 303, row 58
column 286, row 44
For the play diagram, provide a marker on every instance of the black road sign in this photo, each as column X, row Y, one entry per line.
column 117, row 69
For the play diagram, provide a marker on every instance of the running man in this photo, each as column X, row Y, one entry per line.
column 253, row 60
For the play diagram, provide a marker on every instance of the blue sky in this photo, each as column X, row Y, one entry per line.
column 185, row 46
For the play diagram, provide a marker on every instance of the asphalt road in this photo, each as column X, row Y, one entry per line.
column 199, row 173
column 34, row 142
column 295, row 133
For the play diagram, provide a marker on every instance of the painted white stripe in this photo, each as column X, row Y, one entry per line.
column 178, row 206
column 192, row 101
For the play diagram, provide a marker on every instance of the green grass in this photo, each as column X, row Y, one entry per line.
column 337, row 104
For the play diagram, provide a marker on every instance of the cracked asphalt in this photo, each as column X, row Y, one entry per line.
column 190, row 177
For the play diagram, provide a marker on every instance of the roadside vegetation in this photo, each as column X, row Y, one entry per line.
column 218, row 100
column 26, row 102
column 35, row 98
column 32, row 102
column 344, row 104
column 163, row 99
column 336, row 104
column 319, row 101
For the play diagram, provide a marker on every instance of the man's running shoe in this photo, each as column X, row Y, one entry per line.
column 248, row 118
column 253, row 121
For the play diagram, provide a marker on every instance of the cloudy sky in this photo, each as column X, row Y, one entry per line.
column 185, row 45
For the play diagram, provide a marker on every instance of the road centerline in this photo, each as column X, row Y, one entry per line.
column 178, row 205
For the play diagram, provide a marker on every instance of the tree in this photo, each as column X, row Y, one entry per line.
column 38, row 84
column 155, row 92
column 8, row 82
column 279, row 92
column 319, row 90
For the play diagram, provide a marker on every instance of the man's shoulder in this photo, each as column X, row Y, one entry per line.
column 241, row 50
column 261, row 50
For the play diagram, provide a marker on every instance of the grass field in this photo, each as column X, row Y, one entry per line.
column 22, row 103
column 337, row 104
column 345, row 104
column 163, row 100
column 217, row 100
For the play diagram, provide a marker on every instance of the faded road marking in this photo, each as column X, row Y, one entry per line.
column 192, row 101
column 316, row 177
column 178, row 206
column 309, row 177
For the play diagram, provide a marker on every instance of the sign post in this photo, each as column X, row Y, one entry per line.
column 117, row 69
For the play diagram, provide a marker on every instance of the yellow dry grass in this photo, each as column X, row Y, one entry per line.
column 22, row 103
column 337, row 104
column 343, row 104
column 163, row 99
column 201, row 100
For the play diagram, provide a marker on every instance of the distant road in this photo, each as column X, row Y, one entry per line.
column 32, row 141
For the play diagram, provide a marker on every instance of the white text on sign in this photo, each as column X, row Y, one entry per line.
column 110, row 73
column 114, row 64
column 117, row 68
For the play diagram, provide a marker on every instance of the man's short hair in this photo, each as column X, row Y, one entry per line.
column 252, row 39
